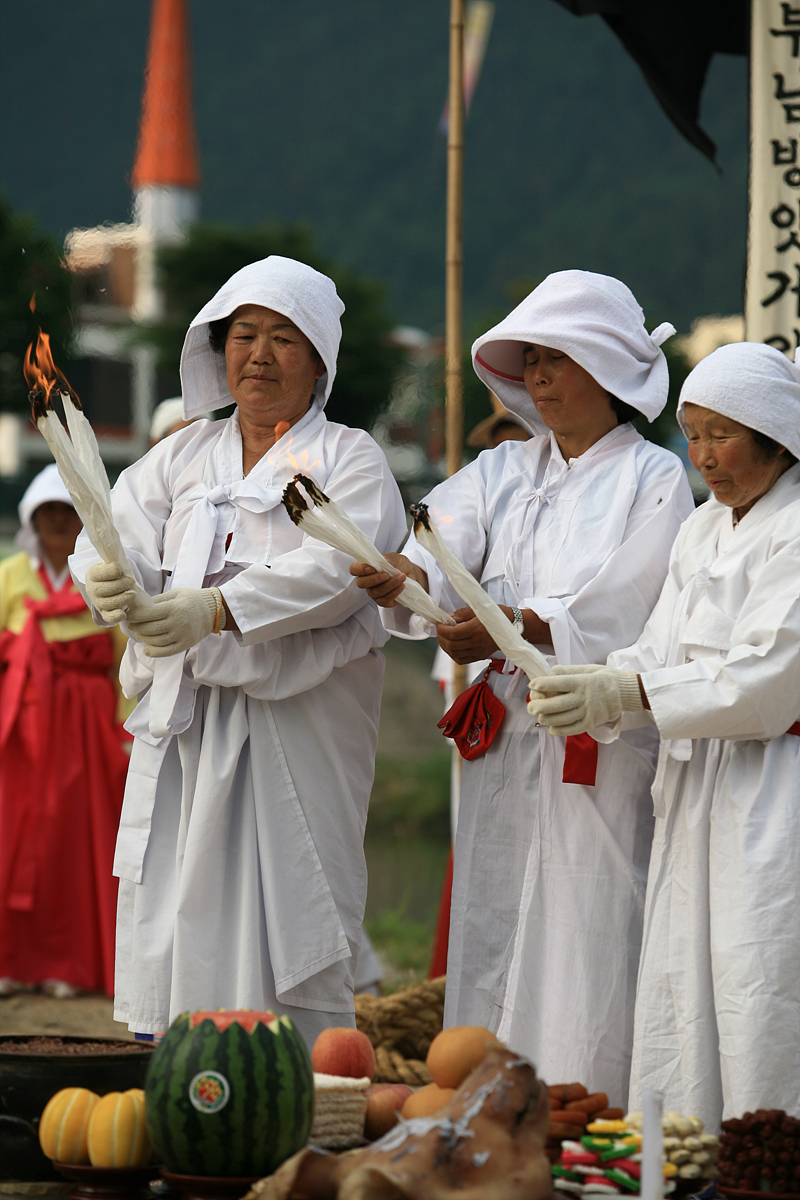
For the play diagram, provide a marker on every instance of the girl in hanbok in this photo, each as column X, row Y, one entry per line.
column 717, row 672
column 62, row 766
column 570, row 533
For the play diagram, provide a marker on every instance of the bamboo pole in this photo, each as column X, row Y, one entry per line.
column 454, row 261
column 454, row 413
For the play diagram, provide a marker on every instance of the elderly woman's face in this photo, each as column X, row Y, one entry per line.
column 735, row 467
column 270, row 365
column 568, row 399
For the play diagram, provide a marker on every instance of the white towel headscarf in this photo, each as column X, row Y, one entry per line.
column 753, row 384
column 597, row 321
column 43, row 488
column 290, row 288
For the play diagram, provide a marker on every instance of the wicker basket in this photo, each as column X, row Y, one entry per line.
column 401, row 1028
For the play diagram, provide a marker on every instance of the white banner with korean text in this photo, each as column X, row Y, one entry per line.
column 772, row 296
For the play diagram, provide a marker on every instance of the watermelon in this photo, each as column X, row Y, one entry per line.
column 229, row 1094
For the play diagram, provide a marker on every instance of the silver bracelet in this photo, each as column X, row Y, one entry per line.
column 518, row 622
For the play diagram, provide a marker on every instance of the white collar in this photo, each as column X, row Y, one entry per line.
column 555, row 449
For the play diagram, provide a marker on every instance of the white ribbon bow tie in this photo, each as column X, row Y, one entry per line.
column 198, row 540
column 190, row 570
column 554, row 477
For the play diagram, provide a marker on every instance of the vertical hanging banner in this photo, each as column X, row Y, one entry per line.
column 772, row 305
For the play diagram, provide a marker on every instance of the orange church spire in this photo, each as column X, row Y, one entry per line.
column 166, row 155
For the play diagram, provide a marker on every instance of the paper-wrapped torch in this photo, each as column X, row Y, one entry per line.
column 491, row 616
column 77, row 455
column 327, row 522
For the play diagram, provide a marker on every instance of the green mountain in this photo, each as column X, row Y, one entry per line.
column 327, row 113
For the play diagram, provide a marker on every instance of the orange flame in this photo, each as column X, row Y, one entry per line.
column 287, row 432
column 41, row 373
column 287, row 447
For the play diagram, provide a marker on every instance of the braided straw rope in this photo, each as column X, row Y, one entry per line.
column 401, row 1028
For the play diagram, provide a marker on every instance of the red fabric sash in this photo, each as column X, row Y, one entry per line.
column 580, row 760
column 474, row 719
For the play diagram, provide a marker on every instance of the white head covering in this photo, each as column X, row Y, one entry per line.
column 753, row 384
column 165, row 415
column 288, row 287
column 596, row 320
column 44, row 487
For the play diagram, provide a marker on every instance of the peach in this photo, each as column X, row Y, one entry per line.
column 456, row 1051
column 426, row 1101
column 342, row 1051
column 384, row 1101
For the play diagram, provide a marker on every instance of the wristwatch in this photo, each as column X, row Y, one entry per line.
column 518, row 622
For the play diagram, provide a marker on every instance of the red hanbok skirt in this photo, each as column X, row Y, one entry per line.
column 62, row 775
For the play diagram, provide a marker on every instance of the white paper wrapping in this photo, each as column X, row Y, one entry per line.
column 84, row 475
column 508, row 639
column 330, row 524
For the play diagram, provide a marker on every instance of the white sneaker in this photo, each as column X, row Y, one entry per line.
column 59, row 990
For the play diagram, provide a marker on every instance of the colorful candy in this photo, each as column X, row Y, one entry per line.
column 607, row 1159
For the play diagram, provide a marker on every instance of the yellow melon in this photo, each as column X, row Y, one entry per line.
column 118, row 1132
column 64, row 1125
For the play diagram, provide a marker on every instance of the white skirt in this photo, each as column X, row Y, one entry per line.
column 718, row 1003
column 229, row 858
column 548, row 901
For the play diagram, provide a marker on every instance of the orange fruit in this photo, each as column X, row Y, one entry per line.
column 457, row 1051
column 428, row 1100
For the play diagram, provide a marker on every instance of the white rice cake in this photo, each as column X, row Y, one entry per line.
column 339, row 1112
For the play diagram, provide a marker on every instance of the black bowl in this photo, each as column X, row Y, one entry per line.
column 209, row 1187
column 108, row 1183
column 27, row 1081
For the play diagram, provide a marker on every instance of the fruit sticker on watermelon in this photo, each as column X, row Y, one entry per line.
column 209, row 1091
column 229, row 1093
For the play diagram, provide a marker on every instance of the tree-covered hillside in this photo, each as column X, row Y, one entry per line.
column 326, row 113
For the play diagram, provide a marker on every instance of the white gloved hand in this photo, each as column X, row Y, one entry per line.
column 576, row 669
column 178, row 620
column 111, row 591
column 577, row 698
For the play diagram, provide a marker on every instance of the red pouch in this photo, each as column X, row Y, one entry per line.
column 473, row 722
column 474, row 719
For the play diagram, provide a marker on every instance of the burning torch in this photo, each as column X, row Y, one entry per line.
column 77, row 455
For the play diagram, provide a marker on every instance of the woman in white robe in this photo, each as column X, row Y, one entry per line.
column 718, row 1005
column 240, row 851
column 571, row 532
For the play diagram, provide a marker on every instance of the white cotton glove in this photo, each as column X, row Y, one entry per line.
column 111, row 591
column 577, row 698
column 178, row 620
column 573, row 669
